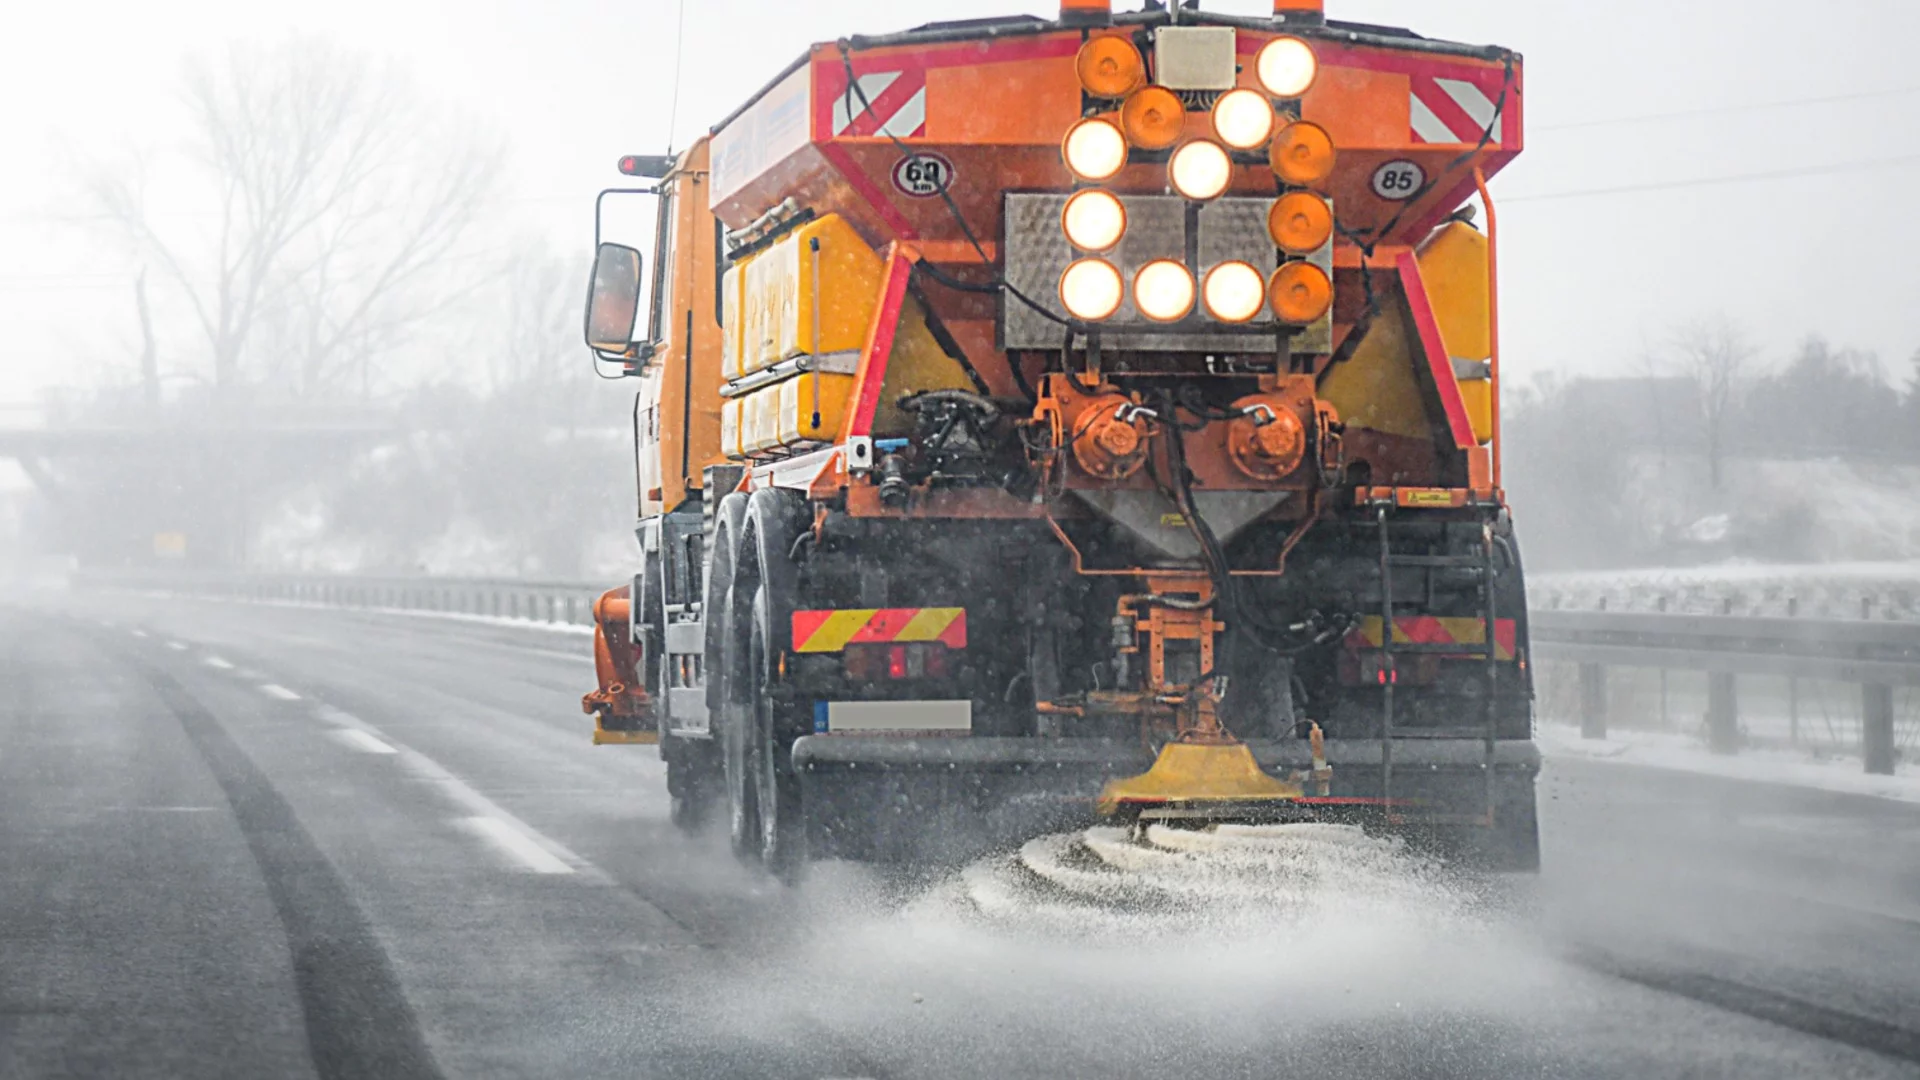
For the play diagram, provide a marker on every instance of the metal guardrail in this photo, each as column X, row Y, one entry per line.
column 1883, row 592
column 1876, row 656
column 552, row 602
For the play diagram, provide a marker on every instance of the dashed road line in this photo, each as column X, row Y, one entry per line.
column 518, row 845
column 363, row 742
column 217, row 663
column 139, row 633
column 526, row 838
column 177, row 646
column 275, row 690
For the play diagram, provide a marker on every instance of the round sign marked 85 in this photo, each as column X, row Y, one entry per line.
column 922, row 176
column 1399, row 180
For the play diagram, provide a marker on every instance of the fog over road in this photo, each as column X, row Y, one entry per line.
column 260, row 841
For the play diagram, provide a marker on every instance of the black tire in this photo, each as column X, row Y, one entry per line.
column 695, row 783
column 727, row 612
column 777, row 794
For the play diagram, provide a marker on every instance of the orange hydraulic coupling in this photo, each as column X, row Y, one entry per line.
column 622, row 711
column 1111, row 437
column 1267, row 441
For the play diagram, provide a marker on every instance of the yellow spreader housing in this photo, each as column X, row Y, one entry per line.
column 1197, row 773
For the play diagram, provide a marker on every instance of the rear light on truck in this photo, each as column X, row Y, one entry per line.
column 881, row 662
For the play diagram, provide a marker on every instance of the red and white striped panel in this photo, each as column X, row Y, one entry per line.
column 899, row 100
column 1456, row 111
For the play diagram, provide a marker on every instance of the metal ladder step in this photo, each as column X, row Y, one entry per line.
column 1476, row 563
column 1476, row 732
column 1404, row 648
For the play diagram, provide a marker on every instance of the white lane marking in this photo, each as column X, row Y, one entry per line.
column 476, row 804
column 363, row 742
column 338, row 716
column 177, row 646
column 275, row 690
column 139, row 633
column 573, row 657
column 518, row 845
column 216, row 662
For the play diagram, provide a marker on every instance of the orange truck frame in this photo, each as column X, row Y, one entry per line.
column 1041, row 419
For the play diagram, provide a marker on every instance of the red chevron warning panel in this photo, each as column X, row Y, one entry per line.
column 1434, row 630
column 1457, row 110
column 833, row 631
column 898, row 101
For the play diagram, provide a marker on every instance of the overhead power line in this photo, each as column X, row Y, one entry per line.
column 1722, row 110
column 1719, row 181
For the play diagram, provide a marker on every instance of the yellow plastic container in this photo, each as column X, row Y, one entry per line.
column 801, row 418
column 1453, row 264
column 730, row 427
column 1478, row 395
column 779, row 292
column 730, row 326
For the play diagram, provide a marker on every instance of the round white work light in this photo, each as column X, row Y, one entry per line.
column 1092, row 290
column 1201, row 170
column 1095, row 149
column 1243, row 119
column 1163, row 291
column 1234, row 292
column 1286, row 67
column 1094, row 220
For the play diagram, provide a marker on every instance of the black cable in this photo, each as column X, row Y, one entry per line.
column 1367, row 240
column 1020, row 378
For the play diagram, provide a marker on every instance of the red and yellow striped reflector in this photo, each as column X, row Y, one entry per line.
column 832, row 631
column 1434, row 630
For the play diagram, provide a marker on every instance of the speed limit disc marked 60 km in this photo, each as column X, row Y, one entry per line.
column 1399, row 181
column 923, row 175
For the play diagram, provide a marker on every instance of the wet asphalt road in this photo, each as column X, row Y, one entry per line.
column 263, row 841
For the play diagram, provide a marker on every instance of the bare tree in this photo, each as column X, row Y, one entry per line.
column 534, row 347
column 332, row 194
column 1717, row 356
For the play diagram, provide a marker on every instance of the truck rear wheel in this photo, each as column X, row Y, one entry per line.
column 777, row 795
column 695, row 783
column 730, row 682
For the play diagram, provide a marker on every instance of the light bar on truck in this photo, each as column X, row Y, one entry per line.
column 1153, row 117
column 1091, row 290
column 1287, row 67
column 1302, row 154
column 1163, row 291
column 1300, row 223
column 1094, row 220
column 1243, row 119
column 1110, row 67
column 1234, row 292
column 1086, row 12
column 1300, row 292
column 1200, row 170
column 1095, row 149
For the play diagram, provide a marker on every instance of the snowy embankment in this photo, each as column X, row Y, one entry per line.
column 1684, row 753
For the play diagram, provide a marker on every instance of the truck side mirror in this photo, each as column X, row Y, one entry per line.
column 613, row 299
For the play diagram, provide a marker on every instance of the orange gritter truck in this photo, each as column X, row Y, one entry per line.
column 1042, row 420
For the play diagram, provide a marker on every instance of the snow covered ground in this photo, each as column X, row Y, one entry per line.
column 1686, row 753
column 1875, row 590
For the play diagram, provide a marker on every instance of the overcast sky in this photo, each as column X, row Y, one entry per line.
column 1613, row 231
